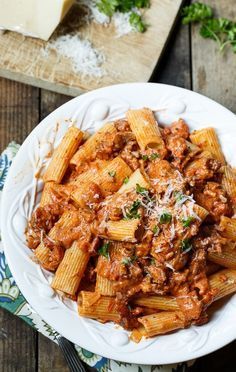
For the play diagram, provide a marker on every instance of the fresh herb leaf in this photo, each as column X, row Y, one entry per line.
column 109, row 7
column 144, row 157
column 129, row 260
column 178, row 196
column 112, row 173
column 221, row 30
column 126, row 180
column 154, row 156
column 133, row 211
column 165, row 217
column 196, row 12
column 137, row 22
column 153, row 261
column 186, row 246
column 104, row 250
column 187, row 221
column 155, row 230
column 141, row 190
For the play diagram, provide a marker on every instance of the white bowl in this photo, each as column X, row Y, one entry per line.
column 90, row 111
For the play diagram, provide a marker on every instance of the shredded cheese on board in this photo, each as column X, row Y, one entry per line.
column 85, row 59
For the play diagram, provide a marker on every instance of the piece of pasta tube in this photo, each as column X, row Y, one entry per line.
column 123, row 230
column 109, row 180
column 112, row 176
column 71, row 269
column 162, row 322
column 157, row 302
column 229, row 181
column 201, row 212
column 105, row 286
column 67, row 220
column 227, row 227
column 226, row 258
column 93, row 305
column 62, row 155
column 87, row 150
column 47, row 194
column 223, row 283
column 132, row 181
column 145, row 128
column 207, row 139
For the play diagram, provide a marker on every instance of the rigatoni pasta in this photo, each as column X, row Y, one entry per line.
column 145, row 128
column 138, row 224
column 207, row 140
column 62, row 155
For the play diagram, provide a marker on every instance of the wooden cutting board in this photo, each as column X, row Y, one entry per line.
column 130, row 58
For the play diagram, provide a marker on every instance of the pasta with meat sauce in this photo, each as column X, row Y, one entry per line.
column 138, row 223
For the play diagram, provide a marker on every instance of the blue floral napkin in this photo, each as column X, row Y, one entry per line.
column 12, row 300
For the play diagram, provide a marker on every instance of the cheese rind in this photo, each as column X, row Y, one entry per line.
column 36, row 18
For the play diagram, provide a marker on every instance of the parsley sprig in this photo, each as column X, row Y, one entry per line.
column 132, row 213
column 186, row 246
column 109, row 7
column 104, row 250
column 222, row 30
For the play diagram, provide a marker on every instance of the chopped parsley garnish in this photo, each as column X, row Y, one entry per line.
column 133, row 211
column 141, row 190
column 186, row 246
column 165, row 217
column 129, row 260
column 186, row 222
column 154, row 156
column 126, row 180
column 112, row 173
column 155, row 230
column 104, row 250
column 137, row 22
column 153, row 261
column 109, row 7
column 178, row 196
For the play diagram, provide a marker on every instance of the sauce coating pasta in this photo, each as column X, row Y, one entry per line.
column 133, row 221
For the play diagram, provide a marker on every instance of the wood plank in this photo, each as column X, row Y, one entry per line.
column 17, row 344
column 18, row 111
column 175, row 64
column 24, row 59
column 50, row 357
column 18, row 115
column 214, row 73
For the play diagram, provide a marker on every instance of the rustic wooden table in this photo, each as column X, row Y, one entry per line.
column 190, row 62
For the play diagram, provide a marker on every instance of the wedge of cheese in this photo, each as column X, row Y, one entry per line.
column 37, row 18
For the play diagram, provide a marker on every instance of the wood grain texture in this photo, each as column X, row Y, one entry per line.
column 214, row 73
column 50, row 357
column 18, row 346
column 175, row 64
column 23, row 59
column 18, row 111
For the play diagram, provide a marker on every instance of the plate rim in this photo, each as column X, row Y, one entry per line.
column 127, row 357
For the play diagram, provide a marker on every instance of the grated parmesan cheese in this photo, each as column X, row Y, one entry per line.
column 120, row 20
column 85, row 59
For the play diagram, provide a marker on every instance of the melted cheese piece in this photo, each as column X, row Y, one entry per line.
column 37, row 18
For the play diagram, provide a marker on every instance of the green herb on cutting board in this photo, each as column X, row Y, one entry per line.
column 222, row 30
column 109, row 7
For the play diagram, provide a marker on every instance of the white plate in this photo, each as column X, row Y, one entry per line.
column 90, row 111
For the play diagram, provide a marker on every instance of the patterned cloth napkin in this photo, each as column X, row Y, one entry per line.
column 12, row 300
